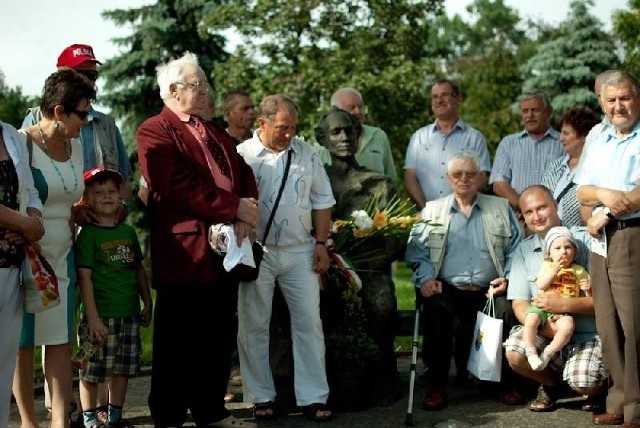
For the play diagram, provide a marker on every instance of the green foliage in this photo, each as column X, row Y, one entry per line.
column 626, row 28
column 14, row 105
column 566, row 66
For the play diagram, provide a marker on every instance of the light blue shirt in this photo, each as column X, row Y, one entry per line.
column 307, row 188
column 466, row 259
column 523, row 268
column 429, row 152
column 521, row 160
column 612, row 162
column 88, row 146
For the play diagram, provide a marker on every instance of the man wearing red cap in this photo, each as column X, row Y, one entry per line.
column 102, row 142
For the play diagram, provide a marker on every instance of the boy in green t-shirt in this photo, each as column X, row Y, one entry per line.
column 112, row 282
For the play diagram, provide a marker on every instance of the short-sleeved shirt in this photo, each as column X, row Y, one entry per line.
column 307, row 188
column 429, row 152
column 523, row 269
column 567, row 280
column 113, row 254
column 612, row 162
column 521, row 161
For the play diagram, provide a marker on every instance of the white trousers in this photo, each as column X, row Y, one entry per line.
column 301, row 290
column 10, row 325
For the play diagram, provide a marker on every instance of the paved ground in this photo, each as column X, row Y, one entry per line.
column 467, row 409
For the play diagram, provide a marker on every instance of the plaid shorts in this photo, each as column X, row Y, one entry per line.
column 581, row 364
column 119, row 355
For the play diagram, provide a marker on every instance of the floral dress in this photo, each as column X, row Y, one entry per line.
column 11, row 255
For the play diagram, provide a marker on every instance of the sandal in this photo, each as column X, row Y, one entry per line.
column 313, row 412
column 264, row 411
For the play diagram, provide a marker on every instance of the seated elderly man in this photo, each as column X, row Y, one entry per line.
column 459, row 260
column 580, row 362
column 354, row 187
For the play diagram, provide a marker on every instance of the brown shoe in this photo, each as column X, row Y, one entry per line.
column 436, row 399
column 607, row 419
column 511, row 398
column 545, row 400
column 630, row 425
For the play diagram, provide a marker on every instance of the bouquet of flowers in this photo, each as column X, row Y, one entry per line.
column 372, row 235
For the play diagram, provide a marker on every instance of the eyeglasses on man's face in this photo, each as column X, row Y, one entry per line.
column 468, row 174
column 198, row 86
column 82, row 114
column 90, row 74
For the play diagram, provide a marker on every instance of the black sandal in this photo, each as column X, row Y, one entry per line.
column 264, row 411
column 311, row 412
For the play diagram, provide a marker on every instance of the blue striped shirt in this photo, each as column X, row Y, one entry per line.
column 521, row 160
column 429, row 152
column 558, row 177
column 612, row 162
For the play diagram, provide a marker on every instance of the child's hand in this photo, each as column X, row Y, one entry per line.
column 97, row 331
column 585, row 285
column 145, row 316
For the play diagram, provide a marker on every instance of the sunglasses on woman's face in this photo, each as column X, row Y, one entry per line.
column 82, row 114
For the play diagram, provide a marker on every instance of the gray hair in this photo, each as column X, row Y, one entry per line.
column 338, row 94
column 272, row 104
column 527, row 95
column 465, row 157
column 172, row 71
column 617, row 77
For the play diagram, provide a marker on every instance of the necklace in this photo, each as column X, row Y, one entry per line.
column 67, row 150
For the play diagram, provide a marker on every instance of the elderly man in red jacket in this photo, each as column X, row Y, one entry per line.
column 195, row 179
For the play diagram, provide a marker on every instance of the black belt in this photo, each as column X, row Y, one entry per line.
column 622, row 224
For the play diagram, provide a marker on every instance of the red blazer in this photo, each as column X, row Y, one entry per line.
column 184, row 200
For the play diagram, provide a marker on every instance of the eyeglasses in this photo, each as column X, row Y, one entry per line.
column 199, row 86
column 90, row 74
column 443, row 96
column 458, row 174
column 82, row 114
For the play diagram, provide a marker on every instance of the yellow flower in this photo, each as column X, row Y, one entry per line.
column 380, row 219
column 358, row 233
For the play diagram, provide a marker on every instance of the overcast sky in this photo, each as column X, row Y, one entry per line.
column 31, row 38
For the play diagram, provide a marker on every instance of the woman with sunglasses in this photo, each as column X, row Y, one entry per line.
column 56, row 160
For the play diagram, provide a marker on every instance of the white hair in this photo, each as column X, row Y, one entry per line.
column 172, row 71
column 465, row 157
column 335, row 98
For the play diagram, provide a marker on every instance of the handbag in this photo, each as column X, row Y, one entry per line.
column 39, row 282
column 485, row 358
column 248, row 273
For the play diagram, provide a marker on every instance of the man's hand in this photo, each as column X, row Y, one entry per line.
column 550, row 302
column 243, row 230
column 320, row 259
column 498, row 287
column 622, row 206
column 248, row 211
column 596, row 224
column 431, row 287
column 145, row 315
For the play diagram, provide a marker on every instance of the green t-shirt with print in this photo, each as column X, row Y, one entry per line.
column 113, row 254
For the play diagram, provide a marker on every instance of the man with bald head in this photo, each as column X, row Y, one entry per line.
column 373, row 148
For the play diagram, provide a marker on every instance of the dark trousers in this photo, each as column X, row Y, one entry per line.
column 189, row 320
column 448, row 320
column 616, row 297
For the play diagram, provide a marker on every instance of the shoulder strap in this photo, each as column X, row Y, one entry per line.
column 29, row 147
column 565, row 190
column 275, row 205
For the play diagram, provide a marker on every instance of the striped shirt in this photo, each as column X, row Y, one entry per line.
column 429, row 152
column 521, row 161
column 558, row 177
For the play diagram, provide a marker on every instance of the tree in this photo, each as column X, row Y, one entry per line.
column 626, row 27
column 566, row 66
column 309, row 48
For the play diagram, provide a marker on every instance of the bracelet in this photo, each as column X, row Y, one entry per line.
column 321, row 243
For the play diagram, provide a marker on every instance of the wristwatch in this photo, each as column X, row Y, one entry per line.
column 606, row 211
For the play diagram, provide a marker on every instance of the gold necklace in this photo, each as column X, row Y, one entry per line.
column 67, row 149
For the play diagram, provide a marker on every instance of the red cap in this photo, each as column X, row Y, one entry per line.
column 95, row 173
column 74, row 55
